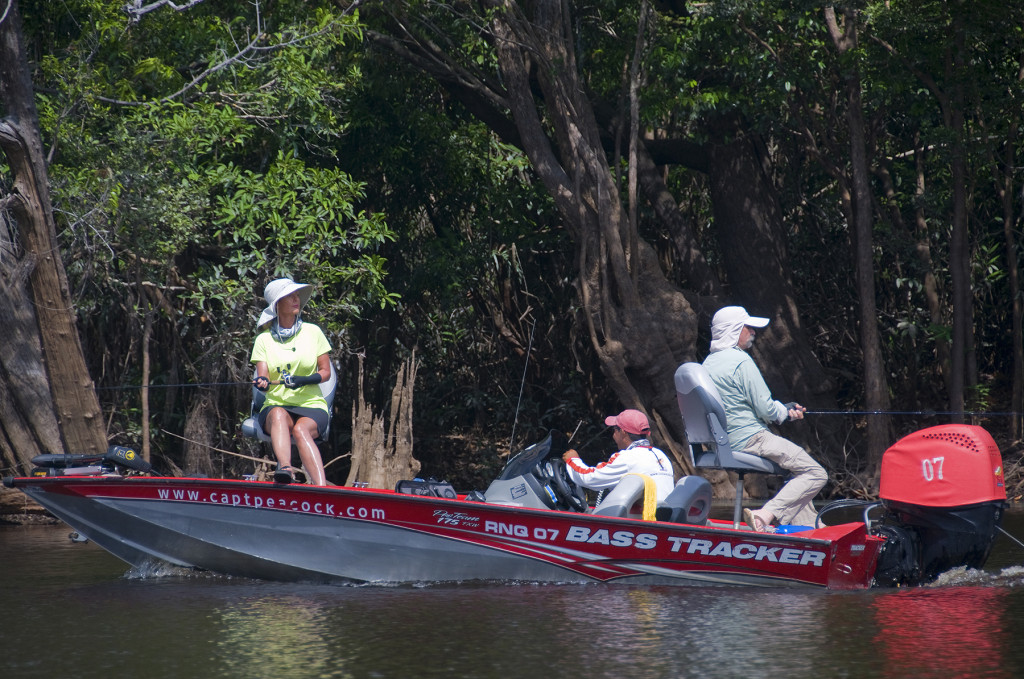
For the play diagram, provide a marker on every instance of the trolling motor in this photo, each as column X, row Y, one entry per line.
column 116, row 459
column 943, row 496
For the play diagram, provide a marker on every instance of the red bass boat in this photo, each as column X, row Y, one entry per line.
column 941, row 488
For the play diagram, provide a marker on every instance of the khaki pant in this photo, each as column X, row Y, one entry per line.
column 793, row 504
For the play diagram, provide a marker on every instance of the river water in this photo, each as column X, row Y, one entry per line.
column 72, row 610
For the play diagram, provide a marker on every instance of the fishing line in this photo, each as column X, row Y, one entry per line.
column 522, row 384
column 593, row 438
column 168, row 386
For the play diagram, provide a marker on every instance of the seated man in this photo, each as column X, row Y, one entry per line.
column 636, row 456
column 748, row 408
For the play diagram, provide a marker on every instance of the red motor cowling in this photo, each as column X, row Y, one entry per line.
column 946, row 466
column 943, row 492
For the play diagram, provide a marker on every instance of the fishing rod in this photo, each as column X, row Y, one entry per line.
column 924, row 413
column 187, row 384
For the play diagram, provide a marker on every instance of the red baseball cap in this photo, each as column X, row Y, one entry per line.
column 629, row 421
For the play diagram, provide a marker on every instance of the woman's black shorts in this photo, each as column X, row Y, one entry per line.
column 316, row 414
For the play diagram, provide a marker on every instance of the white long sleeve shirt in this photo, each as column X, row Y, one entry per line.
column 639, row 458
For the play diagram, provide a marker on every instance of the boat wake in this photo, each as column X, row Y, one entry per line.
column 1011, row 576
column 156, row 569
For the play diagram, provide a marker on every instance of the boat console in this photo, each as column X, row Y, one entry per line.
column 537, row 478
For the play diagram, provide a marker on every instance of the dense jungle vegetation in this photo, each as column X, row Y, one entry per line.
column 544, row 200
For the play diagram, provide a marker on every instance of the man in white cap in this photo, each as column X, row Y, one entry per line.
column 291, row 360
column 749, row 407
column 636, row 456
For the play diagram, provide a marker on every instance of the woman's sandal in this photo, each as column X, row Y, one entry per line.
column 284, row 474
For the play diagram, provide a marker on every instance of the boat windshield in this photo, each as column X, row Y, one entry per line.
column 522, row 462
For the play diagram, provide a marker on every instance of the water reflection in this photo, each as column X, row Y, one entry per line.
column 943, row 632
column 275, row 637
column 70, row 610
column 623, row 628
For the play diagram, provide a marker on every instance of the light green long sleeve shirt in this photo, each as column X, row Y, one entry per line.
column 748, row 402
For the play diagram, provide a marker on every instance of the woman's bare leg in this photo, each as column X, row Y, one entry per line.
column 279, row 426
column 305, row 431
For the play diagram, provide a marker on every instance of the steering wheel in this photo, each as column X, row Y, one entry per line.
column 567, row 491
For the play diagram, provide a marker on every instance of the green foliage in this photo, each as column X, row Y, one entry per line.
column 224, row 153
column 198, row 154
column 300, row 219
column 775, row 65
column 192, row 153
column 476, row 261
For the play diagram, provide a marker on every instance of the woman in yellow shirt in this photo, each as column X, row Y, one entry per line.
column 292, row 359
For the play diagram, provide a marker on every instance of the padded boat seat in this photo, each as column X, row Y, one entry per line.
column 621, row 499
column 689, row 502
column 251, row 426
column 704, row 419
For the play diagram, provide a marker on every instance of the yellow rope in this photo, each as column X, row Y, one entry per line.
column 650, row 496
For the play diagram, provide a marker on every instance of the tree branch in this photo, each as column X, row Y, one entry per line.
column 136, row 9
column 844, row 37
column 482, row 99
column 928, row 81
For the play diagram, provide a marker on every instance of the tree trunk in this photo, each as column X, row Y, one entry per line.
column 876, row 392
column 1006, row 196
column 963, row 352
column 71, row 390
column 200, row 430
column 380, row 461
column 751, row 237
column 641, row 326
column 696, row 272
column 28, row 425
column 930, row 283
column 147, row 332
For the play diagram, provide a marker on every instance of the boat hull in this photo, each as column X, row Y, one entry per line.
column 302, row 533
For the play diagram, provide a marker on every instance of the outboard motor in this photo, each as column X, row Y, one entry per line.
column 943, row 493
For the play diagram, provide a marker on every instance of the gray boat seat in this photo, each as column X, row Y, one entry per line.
column 251, row 425
column 621, row 499
column 704, row 419
column 689, row 502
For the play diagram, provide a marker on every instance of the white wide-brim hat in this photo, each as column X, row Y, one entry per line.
column 278, row 289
